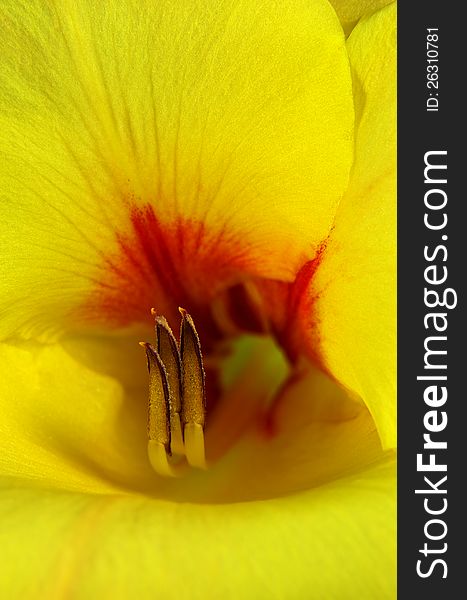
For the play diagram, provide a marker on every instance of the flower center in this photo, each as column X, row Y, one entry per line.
column 177, row 396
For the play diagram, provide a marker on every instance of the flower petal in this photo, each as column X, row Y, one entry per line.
column 351, row 11
column 335, row 541
column 67, row 425
column 234, row 116
column 349, row 310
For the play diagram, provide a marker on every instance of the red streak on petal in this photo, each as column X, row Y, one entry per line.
column 301, row 316
column 165, row 265
column 290, row 309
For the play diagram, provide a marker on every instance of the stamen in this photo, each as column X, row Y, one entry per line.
column 194, row 445
column 170, row 356
column 194, row 395
column 177, row 401
column 158, row 424
column 160, row 461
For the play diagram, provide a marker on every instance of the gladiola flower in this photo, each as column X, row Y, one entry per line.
column 236, row 159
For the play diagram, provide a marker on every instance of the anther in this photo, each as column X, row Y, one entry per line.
column 158, row 422
column 194, row 395
column 167, row 348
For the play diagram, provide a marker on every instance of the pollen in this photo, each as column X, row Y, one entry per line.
column 177, row 398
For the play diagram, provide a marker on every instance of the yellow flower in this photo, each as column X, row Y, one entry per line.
column 235, row 158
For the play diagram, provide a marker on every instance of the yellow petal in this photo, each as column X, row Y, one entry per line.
column 235, row 118
column 67, row 423
column 350, row 11
column 335, row 541
column 353, row 291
